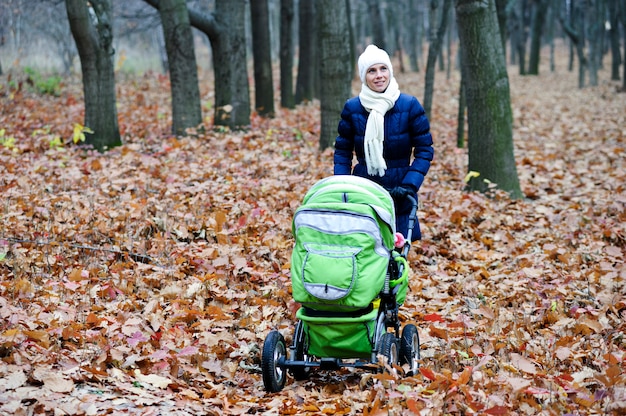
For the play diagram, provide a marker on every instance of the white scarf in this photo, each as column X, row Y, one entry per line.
column 377, row 103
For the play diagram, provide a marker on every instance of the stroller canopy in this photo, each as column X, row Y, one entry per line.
column 344, row 233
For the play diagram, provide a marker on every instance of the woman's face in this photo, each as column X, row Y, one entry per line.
column 377, row 77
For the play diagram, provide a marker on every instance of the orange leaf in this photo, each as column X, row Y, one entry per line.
column 433, row 317
column 428, row 373
column 497, row 410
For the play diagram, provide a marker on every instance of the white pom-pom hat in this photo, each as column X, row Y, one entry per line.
column 371, row 56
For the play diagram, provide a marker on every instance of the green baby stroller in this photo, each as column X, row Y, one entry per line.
column 349, row 280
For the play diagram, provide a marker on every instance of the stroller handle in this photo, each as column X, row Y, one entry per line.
column 412, row 220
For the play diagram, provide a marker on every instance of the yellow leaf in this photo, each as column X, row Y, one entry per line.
column 471, row 174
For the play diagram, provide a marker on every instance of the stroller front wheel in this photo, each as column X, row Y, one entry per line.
column 274, row 376
column 389, row 348
column 410, row 348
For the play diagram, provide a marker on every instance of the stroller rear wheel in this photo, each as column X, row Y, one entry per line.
column 274, row 349
column 410, row 348
column 389, row 348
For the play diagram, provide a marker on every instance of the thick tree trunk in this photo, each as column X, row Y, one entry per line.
column 287, row 98
column 376, row 22
column 186, row 108
column 335, row 67
column 232, row 91
column 261, row 52
column 92, row 29
column 490, row 120
column 226, row 31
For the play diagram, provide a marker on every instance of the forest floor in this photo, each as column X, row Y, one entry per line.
column 143, row 281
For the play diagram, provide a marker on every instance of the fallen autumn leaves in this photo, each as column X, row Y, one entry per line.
column 144, row 280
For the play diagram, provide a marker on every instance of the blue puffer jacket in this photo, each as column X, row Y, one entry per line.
column 406, row 130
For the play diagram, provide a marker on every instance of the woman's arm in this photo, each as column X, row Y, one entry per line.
column 344, row 144
column 422, row 143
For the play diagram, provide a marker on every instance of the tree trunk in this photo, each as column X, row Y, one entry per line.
column 376, row 21
column 226, row 31
column 501, row 7
column 594, row 41
column 536, row 30
column 623, row 15
column 412, row 24
column 616, row 57
column 433, row 53
column 307, row 63
column 92, row 29
column 287, row 99
column 490, row 120
column 261, row 51
column 181, row 58
column 232, row 91
column 460, row 127
column 522, row 36
column 578, row 41
column 335, row 67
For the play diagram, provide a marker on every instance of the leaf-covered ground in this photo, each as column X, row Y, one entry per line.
column 144, row 280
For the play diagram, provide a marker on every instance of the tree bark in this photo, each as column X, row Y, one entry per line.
column 579, row 44
column 490, row 120
column 92, row 29
column 433, row 53
column 307, row 62
column 376, row 21
column 261, row 52
column 536, row 30
column 616, row 56
column 335, row 67
column 226, row 31
column 287, row 98
column 182, row 65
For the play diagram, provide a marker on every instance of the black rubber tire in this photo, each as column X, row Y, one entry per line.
column 389, row 348
column 300, row 373
column 410, row 348
column 274, row 376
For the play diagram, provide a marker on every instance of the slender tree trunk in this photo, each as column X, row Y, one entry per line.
column 92, row 29
column 186, row 109
column 623, row 15
column 490, row 120
column 501, row 7
column 307, row 64
column 460, row 126
column 412, row 24
column 616, row 57
column 287, row 98
column 261, row 51
column 594, row 41
column 536, row 30
column 336, row 68
column 433, row 53
column 578, row 41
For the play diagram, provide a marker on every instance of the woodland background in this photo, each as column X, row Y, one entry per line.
column 144, row 280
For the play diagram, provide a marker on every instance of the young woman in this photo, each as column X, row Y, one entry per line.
column 389, row 133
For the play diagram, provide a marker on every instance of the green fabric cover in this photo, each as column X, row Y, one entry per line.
column 341, row 338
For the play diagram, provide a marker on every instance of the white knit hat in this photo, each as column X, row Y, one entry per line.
column 371, row 56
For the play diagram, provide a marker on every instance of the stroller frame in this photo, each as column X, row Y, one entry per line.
column 394, row 344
